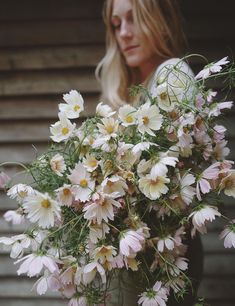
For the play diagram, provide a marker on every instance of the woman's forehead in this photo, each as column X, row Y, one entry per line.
column 121, row 7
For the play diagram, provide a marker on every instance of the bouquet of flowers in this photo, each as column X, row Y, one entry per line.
column 120, row 192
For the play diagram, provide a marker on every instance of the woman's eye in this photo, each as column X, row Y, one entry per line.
column 116, row 26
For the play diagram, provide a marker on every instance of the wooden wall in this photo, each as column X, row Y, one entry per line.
column 51, row 46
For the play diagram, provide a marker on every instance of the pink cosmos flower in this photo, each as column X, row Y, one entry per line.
column 228, row 234
column 90, row 271
column 4, row 180
column 203, row 185
column 81, row 301
column 212, row 68
column 220, row 150
column 155, row 297
column 101, row 209
column 219, row 132
column 200, row 217
column 131, row 243
column 33, row 264
column 216, row 109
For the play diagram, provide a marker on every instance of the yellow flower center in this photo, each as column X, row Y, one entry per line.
column 129, row 119
column 66, row 192
column 22, row 193
column 65, row 130
column 110, row 183
column 155, row 182
column 109, row 129
column 93, row 163
column 83, row 183
column 145, row 120
column 76, row 108
column 163, row 95
column 46, row 203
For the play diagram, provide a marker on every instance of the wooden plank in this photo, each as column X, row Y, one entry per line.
column 42, row 301
column 32, row 33
column 217, row 265
column 50, row 57
column 20, row 287
column 11, row 229
column 50, row 82
column 212, row 244
column 46, row 107
column 50, row 9
column 208, row 8
column 209, row 27
column 213, row 288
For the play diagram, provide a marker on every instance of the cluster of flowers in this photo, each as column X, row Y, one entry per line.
column 122, row 191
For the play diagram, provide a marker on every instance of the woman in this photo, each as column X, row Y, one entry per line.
column 143, row 37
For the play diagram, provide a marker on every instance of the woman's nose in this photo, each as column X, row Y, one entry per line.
column 125, row 31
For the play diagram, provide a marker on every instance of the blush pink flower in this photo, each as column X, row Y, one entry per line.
column 33, row 264
column 211, row 68
column 157, row 296
column 203, row 184
column 228, row 234
column 200, row 217
column 4, row 180
column 130, row 243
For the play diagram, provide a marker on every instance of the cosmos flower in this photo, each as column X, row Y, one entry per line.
column 62, row 129
column 127, row 115
column 211, row 68
column 130, row 243
column 157, row 296
column 58, row 164
column 104, row 110
column 73, row 106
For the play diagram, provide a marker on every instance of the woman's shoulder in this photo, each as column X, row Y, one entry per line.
column 170, row 66
column 179, row 64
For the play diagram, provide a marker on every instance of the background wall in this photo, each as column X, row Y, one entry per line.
column 51, row 46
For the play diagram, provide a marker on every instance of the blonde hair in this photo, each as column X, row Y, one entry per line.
column 159, row 23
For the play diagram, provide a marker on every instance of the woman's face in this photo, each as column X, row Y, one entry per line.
column 135, row 51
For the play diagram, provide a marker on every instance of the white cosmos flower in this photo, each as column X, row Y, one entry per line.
column 187, row 192
column 149, row 119
column 108, row 128
column 17, row 243
column 20, row 192
column 57, row 164
column 104, row 110
column 160, row 168
column 73, row 106
column 90, row 271
column 153, row 186
column 167, row 242
column 114, row 186
column 14, row 216
column 212, row 68
column 105, row 253
column 167, row 96
column 41, row 208
column 127, row 115
column 83, row 185
column 200, row 217
column 101, row 209
column 130, row 243
column 90, row 162
column 142, row 146
column 98, row 231
column 228, row 234
column 33, row 264
column 65, row 195
column 62, row 129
